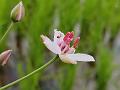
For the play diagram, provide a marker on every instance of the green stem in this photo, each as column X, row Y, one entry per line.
column 9, row 28
column 30, row 74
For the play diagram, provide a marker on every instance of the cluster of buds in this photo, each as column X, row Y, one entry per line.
column 18, row 12
column 17, row 15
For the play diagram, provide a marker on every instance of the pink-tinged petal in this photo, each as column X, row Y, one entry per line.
column 58, row 36
column 73, row 58
column 4, row 57
column 66, row 59
column 80, row 57
column 51, row 45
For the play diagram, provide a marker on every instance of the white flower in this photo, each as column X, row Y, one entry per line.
column 61, row 46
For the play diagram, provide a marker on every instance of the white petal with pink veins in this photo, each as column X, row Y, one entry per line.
column 73, row 58
column 51, row 45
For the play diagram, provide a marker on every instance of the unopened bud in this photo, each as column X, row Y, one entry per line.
column 18, row 12
column 4, row 57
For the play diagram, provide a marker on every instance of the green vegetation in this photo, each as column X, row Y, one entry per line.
column 95, row 18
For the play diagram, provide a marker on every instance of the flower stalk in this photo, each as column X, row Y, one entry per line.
column 9, row 28
column 17, row 14
column 30, row 74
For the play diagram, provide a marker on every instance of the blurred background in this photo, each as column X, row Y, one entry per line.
column 97, row 22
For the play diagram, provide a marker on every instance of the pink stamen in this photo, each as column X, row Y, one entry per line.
column 62, row 46
column 65, row 49
column 76, row 41
column 68, row 37
column 71, row 35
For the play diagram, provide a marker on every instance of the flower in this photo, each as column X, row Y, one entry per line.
column 4, row 57
column 61, row 46
column 18, row 12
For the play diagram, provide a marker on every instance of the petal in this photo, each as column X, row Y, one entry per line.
column 51, row 45
column 73, row 58
column 58, row 36
column 66, row 59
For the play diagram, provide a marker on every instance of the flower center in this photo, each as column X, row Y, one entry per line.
column 68, row 37
column 65, row 44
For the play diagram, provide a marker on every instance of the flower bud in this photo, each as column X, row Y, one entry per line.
column 4, row 57
column 18, row 12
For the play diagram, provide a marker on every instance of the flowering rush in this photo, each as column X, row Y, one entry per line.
column 61, row 46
